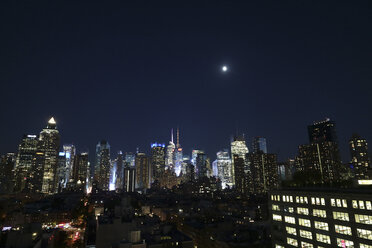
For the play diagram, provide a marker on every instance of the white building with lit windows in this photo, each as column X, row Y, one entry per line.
column 321, row 218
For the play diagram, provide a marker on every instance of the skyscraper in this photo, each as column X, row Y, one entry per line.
column 25, row 161
column 130, row 159
column 119, row 183
column 70, row 152
column 259, row 145
column 157, row 160
column 129, row 178
column 169, row 156
column 142, row 171
column 7, row 163
column 359, row 156
column 103, row 165
column 239, row 149
column 202, row 165
column 178, row 155
column 49, row 145
column 264, row 169
column 80, row 171
column 322, row 154
column 224, row 168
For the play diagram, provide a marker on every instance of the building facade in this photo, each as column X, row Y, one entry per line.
column 103, row 165
column 359, row 156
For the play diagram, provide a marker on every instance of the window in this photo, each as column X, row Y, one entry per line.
column 301, row 199
column 345, row 243
column 321, row 225
column 292, row 242
column 291, row 230
column 323, row 238
column 289, row 219
column 319, row 213
column 343, row 229
column 304, row 211
column 338, row 203
column 276, row 207
column 306, row 234
column 344, row 203
column 306, row 245
column 304, row 222
column 354, row 203
column 278, row 246
column 361, row 205
column 341, row 216
column 365, row 219
column 365, row 246
column 364, row 234
column 277, row 217
column 368, row 205
column 317, row 201
column 291, row 209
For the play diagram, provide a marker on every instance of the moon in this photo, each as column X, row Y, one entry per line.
column 224, row 68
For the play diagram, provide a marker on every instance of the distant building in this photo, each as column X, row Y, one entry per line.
column 80, row 171
column 224, row 169
column 103, row 165
column 201, row 165
column 130, row 158
column 322, row 131
column 259, row 145
column 49, row 145
column 157, row 160
column 129, row 179
column 321, row 218
column 359, row 156
column 119, row 182
column 70, row 152
column 7, row 163
column 264, row 170
column 178, row 155
column 169, row 156
column 239, row 151
column 25, row 161
column 142, row 171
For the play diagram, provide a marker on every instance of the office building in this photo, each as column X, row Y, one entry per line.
column 224, row 168
column 239, row 151
column 264, row 169
column 169, row 155
column 359, row 156
column 70, row 152
column 321, row 218
column 259, row 145
column 103, row 165
column 157, row 160
column 142, row 165
column 119, row 182
column 7, row 163
column 80, row 171
column 129, row 179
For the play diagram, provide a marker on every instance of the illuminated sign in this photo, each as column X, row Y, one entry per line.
column 365, row 182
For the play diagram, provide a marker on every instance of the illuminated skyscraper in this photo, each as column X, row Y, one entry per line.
column 224, row 168
column 142, row 165
column 70, row 152
column 25, row 161
column 259, row 145
column 322, row 131
column 178, row 155
column 130, row 159
column 119, row 183
column 157, row 160
column 202, row 165
column 239, row 149
column 129, row 179
column 264, row 171
column 359, row 156
column 49, row 145
column 194, row 154
column 80, row 171
column 61, row 172
column 103, row 165
column 169, row 156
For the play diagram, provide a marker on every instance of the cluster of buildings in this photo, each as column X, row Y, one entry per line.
column 43, row 165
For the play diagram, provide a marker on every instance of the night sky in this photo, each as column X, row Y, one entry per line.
column 128, row 73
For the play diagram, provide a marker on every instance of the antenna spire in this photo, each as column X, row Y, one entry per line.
column 172, row 135
column 178, row 137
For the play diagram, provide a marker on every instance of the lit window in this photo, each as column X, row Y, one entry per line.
column 291, row 209
column 344, row 203
column 343, row 229
column 304, row 222
column 322, row 201
column 361, row 205
column 276, row 207
column 306, row 245
column 313, row 200
column 289, row 219
column 365, row 219
column 278, row 246
column 321, row 225
column 319, row 213
column 304, row 211
column 368, row 205
column 277, row 217
column 291, row 230
column 365, row 246
column 323, row 238
column 354, row 203
column 272, row 197
column 292, row 242
column 306, row 234
column 345, row 243
column 291, row 198
column 364, row 234
column 333, row 202
column 341, row 216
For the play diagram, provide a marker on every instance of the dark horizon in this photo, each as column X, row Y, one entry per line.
column 128, row 73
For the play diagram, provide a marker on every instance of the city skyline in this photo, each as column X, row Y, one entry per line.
column 125, row 73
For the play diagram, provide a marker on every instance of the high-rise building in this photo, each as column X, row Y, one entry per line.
column 264, row 169
column 178, row 155
column 25, row 161
column 201, row 165
column 130, row 159
column 70, row 152
column 322, row 154
column 194, row 154
column 49, row 145
column 61, row 172
column 169, row 156
column 239, row 149
column 119, row 182
column 80, row 171
column 241, row 180
column 129, row 179
column 224, row 168
column 157, row 160
column 322, row 131
column 103, row 165
column 7, row 163
column 259, row 145
column 359, row 156
column 142, row 171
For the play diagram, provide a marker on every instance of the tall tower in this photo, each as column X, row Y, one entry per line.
column 25, row 161
column 80, row 171
column 259, row 145
column 359, row 156
column 169, row 156
column 142, row 171
column 239, row 151
column 224, row 168
column 103, row 165
column 119, row 182
column 7, row 173
column 157, row 160
column 70, row 152
column 178, row 155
